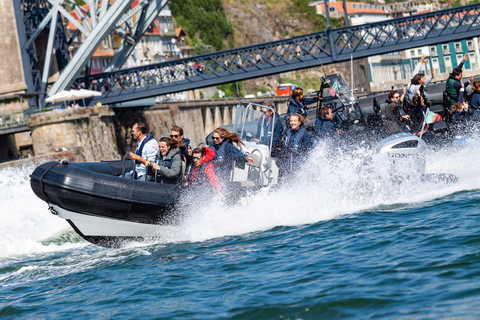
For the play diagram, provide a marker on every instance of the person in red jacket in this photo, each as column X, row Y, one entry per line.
column 200, row 171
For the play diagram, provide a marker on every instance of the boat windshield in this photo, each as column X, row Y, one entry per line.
column 253, row 123
column 340, row 89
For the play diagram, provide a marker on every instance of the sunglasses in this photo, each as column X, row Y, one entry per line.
column 216, row 138
column 174, row 136
column 198, row 158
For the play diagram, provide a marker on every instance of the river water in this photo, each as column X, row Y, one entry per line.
column 340, row 244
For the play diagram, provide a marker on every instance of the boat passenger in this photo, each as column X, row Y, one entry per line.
column 266, row 124
column 454, row 84
column 226, row 153
column 298, row 103
column 296, row 142
column 169, row 163
column 475, row 100
column 459, row 123
column 325, row 127
column 418, row 81
column 416, row 111
column 177, row 135
column 392, row 112
column 145, row 154
column 201, row 171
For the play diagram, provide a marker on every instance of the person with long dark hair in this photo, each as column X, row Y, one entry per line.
column 169, row 164
column 418, row 81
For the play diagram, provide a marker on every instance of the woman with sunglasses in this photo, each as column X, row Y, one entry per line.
column 169, row 163
column 177, row 135
column 226, row 153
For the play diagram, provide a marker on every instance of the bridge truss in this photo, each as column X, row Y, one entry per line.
column 286, row 55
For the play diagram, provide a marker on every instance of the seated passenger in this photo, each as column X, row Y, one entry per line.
column 169, row 163
column 296, row 143
column 454, row 84
column 418, row 81
column 177, row 135
column 459, row 123
column 145, row 153
column 226, row 153
column 265, row 124
column 392, row 112
column 476, row 99
column 325, row 127
column 201, row 170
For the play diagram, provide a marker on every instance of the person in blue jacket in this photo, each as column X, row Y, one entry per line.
column 267, row 123
column 298, row 103
column 226, row 153
column 325, row 127
column 475, row 100
column 296, row 143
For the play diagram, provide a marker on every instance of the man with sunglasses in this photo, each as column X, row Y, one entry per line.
column 392, row 112
column 177, row 135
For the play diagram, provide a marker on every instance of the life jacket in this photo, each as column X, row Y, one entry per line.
column 167, row 163
column 199, row 179
column 294, row 146
column 301, row 107
column 219, row 151
column 451, row 91
column 139, row 150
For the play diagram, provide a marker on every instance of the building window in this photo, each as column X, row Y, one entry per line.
column 470, row 45
column 473, row 61
column 445, row 49
column 412, row 53
column 458, row 47
column 419, row 52
column 448, row 64
column 331, row 9
column 433, row 51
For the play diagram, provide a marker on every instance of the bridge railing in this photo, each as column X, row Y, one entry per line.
column 285, row 55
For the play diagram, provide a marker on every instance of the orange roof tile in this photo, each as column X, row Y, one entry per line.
column 351, row 10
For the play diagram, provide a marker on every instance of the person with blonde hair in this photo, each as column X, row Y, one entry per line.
column 296, row 144
column 226, row 146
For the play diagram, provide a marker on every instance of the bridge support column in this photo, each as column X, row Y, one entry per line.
column 208, row 124
column 217, row 118
column 227, row 119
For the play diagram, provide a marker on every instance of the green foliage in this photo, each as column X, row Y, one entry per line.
column 457, row 3
column 319, row 21
column 201, row 48
column 229, row 89
column 203, row 21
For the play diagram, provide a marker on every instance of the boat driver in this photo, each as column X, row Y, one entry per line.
column 145, row 154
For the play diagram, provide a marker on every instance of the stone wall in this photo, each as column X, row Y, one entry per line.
column 88, row 131
column 11, row 69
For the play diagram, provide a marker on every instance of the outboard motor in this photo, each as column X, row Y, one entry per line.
column 402, row 156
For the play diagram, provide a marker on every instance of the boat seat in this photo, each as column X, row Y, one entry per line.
column 247, row 183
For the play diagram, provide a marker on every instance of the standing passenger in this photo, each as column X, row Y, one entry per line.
column 298, row 103
column 418, row 80
column 267, row 124
column 454, row 84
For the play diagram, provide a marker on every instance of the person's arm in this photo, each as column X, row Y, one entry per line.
column 403, row 94
column 465, row 57
column 418, row 68
column 212, row 178
column 174, row 170
column 311, row 100
column 150, row 152
column 461, row 93
column 236, row 154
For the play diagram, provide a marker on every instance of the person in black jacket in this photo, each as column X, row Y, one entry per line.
column 392, row 112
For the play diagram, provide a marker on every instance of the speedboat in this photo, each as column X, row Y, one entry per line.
column 108, row 210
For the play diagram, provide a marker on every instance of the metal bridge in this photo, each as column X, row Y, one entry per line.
column 253, row 61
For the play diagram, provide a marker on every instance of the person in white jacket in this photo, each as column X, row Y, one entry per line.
column 418, row 80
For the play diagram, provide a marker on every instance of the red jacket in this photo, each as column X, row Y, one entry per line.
column 209, row 170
